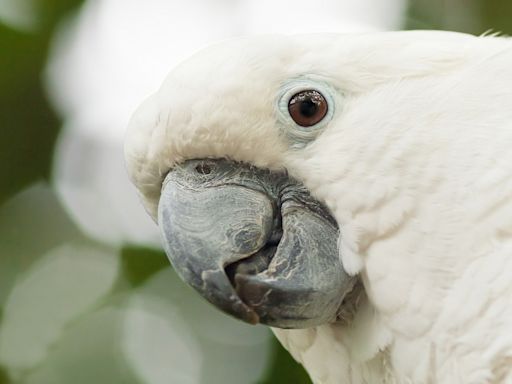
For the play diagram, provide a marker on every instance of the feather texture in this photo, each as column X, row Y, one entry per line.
column 416, row 166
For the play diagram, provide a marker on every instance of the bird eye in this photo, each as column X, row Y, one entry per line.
column 307, row 107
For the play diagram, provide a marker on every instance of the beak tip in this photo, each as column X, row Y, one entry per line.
column 253, row 318
column 243, row 312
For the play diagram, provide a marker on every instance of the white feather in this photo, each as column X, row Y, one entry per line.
column 416, row 166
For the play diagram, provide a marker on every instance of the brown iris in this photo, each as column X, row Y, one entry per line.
column 307, row 107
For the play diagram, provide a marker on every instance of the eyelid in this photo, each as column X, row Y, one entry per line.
column 300, row 136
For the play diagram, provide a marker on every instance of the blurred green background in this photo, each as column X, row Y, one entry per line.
column 42, row 343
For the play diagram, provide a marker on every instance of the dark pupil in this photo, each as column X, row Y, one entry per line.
column 308, row 108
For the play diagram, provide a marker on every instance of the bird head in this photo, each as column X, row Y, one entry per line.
column 256, row 154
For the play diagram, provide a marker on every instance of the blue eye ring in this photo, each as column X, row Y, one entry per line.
column 299, row 135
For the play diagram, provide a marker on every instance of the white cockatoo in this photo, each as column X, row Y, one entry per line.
column 354, row 192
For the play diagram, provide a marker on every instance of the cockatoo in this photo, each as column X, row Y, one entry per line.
column 353, row 192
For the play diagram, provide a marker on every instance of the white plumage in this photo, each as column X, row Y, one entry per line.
column 415, row 165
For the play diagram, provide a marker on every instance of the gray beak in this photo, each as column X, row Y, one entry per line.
column 253, row 242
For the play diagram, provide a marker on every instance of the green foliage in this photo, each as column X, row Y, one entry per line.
column 496, row 16
column 139, row 263
column 29, row 126
column 283, row 368
column 470, row 16
column 4, row 379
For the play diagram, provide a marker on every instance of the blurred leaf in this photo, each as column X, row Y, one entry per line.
column 452, row 15
column 3, row 376
column 89, row 351
column 138, row 264
column 470, row 16
column 497, row 15
column 31, row 223
column 36, row 214
column 421, row 16
column 52, row 11
column 29, row 127
column 64, row 284
column 284, row 369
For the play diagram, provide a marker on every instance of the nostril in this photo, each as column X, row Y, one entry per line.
column 203, row 169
